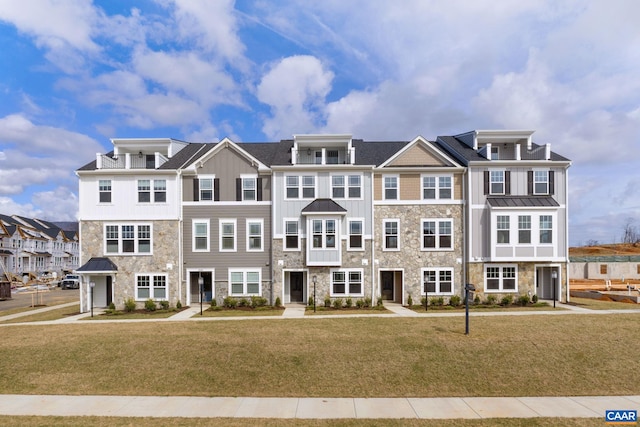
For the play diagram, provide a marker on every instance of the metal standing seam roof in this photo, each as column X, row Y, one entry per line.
column 522, row 201
column 98, row 264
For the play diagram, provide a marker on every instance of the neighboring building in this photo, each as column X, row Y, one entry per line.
column 30, row 246
column 516, row 228
column 324, row 214
column 419, row 219
column 226, row 218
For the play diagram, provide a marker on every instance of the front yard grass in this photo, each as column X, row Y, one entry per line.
column 217, row 311
column 330, row 357
column 55, row 314
column 594, row 304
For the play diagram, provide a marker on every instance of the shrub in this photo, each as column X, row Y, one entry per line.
column 278, row 302
column 164, row 304
column 507, row 300
column 455, row 300
column 367, row 302
column 257, row 301
column 534, row 299
column 310, row 302
column 337, row 303
column 348, row 303
column 379, row 301
column 179, row 304
column 436, row 301
column 150, row 305
column 129, row 305
column 360, row 303
column 409, row 301
column 491, row 299
column 213, row 302
column 423, row 301
column 112, row 306
column 230, row 302
column 523, row 300
column 243, row 302
column 476, row 300
column 327, row 301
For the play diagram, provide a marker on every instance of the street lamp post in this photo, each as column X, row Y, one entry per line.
column 201, row 285
column 315, row 279
column 468, row 288
column 554, row 277
column 91, row 286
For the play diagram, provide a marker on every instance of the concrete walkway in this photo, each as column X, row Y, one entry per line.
column 271, row 407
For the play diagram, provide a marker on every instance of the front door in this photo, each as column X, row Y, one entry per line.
column 296, row 286
column 386, row 282
column 109, row 290
column 207, row 289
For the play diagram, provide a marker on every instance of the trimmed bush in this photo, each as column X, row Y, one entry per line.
column 337, row 303
column 534, row 299
column 360, row 303
column 523, row 300
column 278, row 302
column 129, row 305
column 257, row 301
column 164, row 304
column 150, row 305
column 491, row 299
column 476, row 300
column 379, row 301
column 423, row 301
column 455, row 300
column 436, row 301
column 507, row 300
column 327, row 301
column 213, row 302
column 179, row 305
column 409, row 300
column 367, row 302
column 230, row 302
column 243, row 303
column 310, row 302
column 348, row 303
column 112, row 306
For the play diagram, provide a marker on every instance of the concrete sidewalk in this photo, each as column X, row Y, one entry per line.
column 315, row 408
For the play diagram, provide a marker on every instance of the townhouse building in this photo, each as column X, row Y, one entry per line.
column 31, row 246
column 516, row 227
column 419, row 223
column 323, row 216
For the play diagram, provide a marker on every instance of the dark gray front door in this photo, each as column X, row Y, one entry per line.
column 386, row 279
column 295, row 284
column 109, row 290
column 195, row 288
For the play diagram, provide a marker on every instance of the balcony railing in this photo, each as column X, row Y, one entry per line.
column 130, row 161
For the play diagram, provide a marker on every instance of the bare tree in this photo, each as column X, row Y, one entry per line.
column 630, row 232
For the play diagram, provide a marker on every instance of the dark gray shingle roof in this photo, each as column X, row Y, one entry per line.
column 323, row 205
column 98, row 264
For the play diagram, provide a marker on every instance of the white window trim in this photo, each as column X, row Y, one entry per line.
column 261, row 222
column 346, row 272
column 346, row 186
column 552, row 229
column 546, row 171
column 221, row 222
column 310, row 234
column 213, row 187
column 255, row 186
column 152, row 191
column 244, row 272
column 437, row 270
column 384, row 193
column 110, row 191
column 437, row 187
column 509, row 230
column 284, row 235
column 501, row 278
column 151, row 287
column 356, row 249
column 437, row 235
column 135, row 238
column 384, row 234
column 504, row 182
column 514, row 229
column 193, row 233
column 301, row 187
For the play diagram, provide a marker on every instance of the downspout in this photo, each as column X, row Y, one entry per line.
column 180, row 237
column 465, row 261
column 566, row 226
column 373, row 240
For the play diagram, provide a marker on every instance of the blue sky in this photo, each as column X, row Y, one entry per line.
column 75, row 73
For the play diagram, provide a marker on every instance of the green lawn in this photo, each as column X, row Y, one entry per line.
column 594, row 304
column 329, row 357
column 54, row 314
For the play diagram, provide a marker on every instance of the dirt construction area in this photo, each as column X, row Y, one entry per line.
column 53, row 296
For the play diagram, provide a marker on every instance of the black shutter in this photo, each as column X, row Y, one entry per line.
column 216, row 189
column 486, row 182
column 259, row 189
column 196, row 189
column 507, row 182
column 552, row 185
column 239, row 189
column 530, row 182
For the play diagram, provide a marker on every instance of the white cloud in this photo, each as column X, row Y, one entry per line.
column 61, row 204
column 9, row 207
column 295, row 88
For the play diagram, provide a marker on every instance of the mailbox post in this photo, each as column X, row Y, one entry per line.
column 554, row 276
column 201, row 285
column 314, row 279
column 468, row 289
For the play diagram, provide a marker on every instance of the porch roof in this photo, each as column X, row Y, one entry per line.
column 98, row 265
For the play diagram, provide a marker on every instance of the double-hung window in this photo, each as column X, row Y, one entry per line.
column 546, row 229
column 338, row 186
column 248, row 189
column 245, row 282
column 291, row 235
column 292, row 190
column 159, row 190
column 524, row 229
column 436, row 187
column 390, row 187
column 308, row 186
column 128, row 239
column 200, row 235
column 501, row 278
column 437, row 281
column 206, row 189
column 502, row 229
column 144, row 191
column 540, row 182
column 346, row 282
column 151, row 286
column 437, row 234
column 346, row 186
column 355, row 234
column 227, row 235
column 300, row 187
column 391, row 229
column 254, row 234
column 496, row 182
column 104, row 189
column 324, row 233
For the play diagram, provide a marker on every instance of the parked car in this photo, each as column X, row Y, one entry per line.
column 71, row 281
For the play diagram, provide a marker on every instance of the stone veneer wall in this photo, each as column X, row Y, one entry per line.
column 166, row 249
column 410, row 258
column 526, row 280
column 297, row 260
